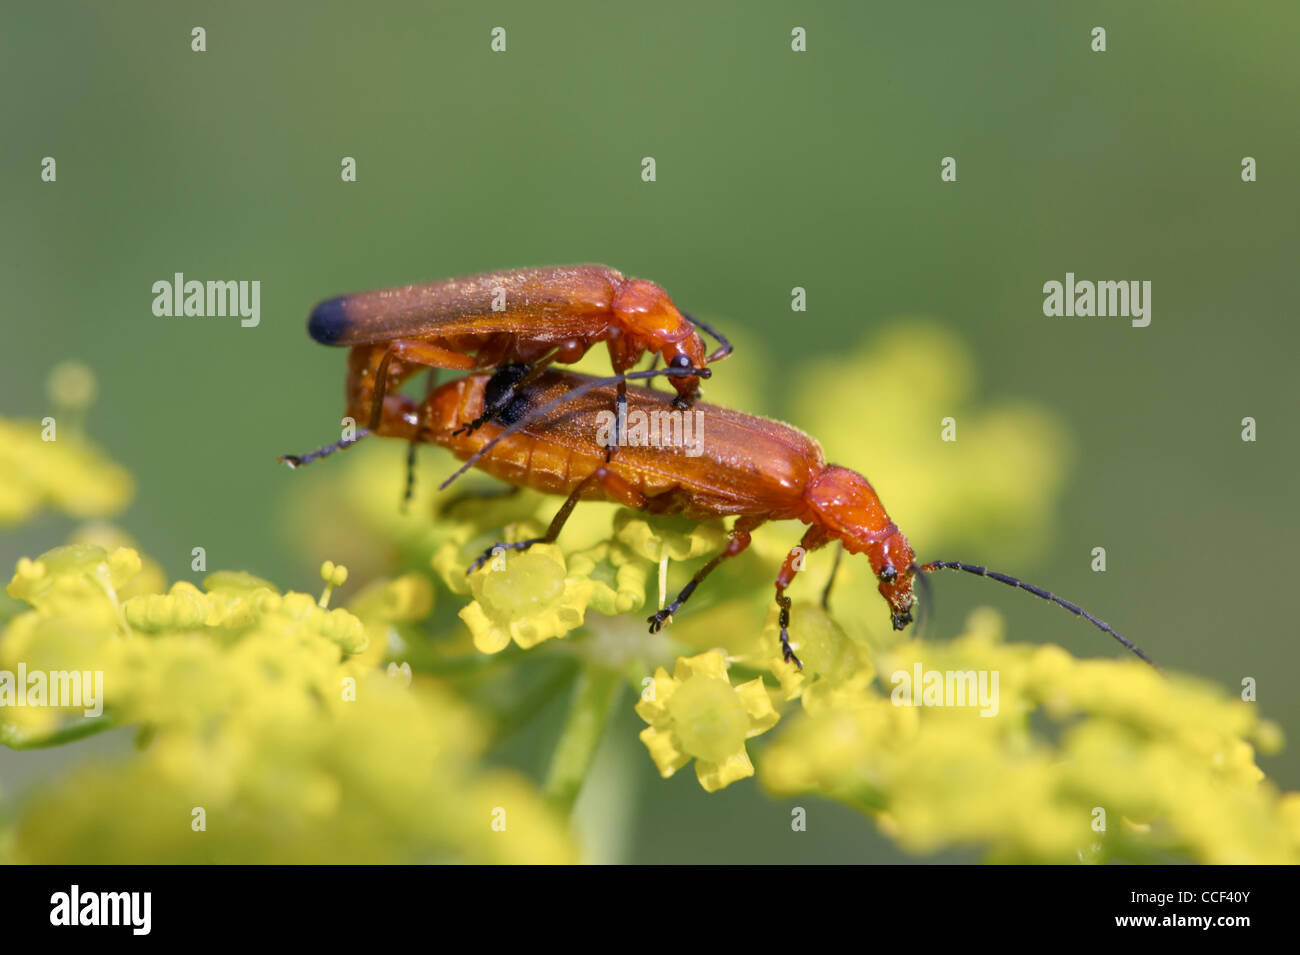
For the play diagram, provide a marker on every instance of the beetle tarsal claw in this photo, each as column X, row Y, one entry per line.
column 482, row 559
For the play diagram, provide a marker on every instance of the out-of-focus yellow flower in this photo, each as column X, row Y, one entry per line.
column 151, row 577
column 384, row 606
column 697, row 714
column 992, row 490
column 1108, row 742
column 51, row 464
column 268, row 734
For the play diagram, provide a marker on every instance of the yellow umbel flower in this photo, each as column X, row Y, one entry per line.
column 655, row 536
column 617, row 574
column 526, row 597
column 697, row 714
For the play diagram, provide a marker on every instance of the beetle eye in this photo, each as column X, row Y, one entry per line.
column 887, row 574
column 681, row 361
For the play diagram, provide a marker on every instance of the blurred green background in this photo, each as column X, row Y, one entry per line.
column 775, row 170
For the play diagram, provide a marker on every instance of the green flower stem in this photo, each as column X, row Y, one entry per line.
column 597, row 690
column 472, row 663
column 73, row 731
column 526, row 707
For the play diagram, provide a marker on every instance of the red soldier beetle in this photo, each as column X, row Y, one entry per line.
column 752, row 468
column 532, row 316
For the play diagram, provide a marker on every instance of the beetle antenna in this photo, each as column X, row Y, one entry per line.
column 298, row 460
column 1039, row 592
column 577, row 392
column 725, row 346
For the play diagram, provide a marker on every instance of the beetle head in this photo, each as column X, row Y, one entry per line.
column 848, row 508
column 649, row 321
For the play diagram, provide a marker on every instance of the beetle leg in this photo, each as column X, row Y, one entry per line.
column 813, row 538
column 431, row 379
column 381, row 389
column 654, row 363
column 434, row 356
column 369, row 379
column 619, row 489
column 298, row 460
column 620, row 415
column 830, row 581
column 410, row 475
column 738, row 542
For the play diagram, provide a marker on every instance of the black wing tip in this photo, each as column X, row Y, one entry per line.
column 328, row 323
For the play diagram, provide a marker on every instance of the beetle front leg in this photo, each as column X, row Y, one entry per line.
column 813, row 538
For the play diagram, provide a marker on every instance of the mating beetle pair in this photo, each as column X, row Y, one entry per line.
column 531, row 425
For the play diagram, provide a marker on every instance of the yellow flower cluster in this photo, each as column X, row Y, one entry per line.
column 269, row 712
column 1071, row 760
column 266, row 730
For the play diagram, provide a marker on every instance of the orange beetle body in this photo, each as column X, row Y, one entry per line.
column 511, row 316
column 748, row 467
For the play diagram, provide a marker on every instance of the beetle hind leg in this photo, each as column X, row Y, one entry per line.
column 299, row 460
column 737, row 544
column 616, row 487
